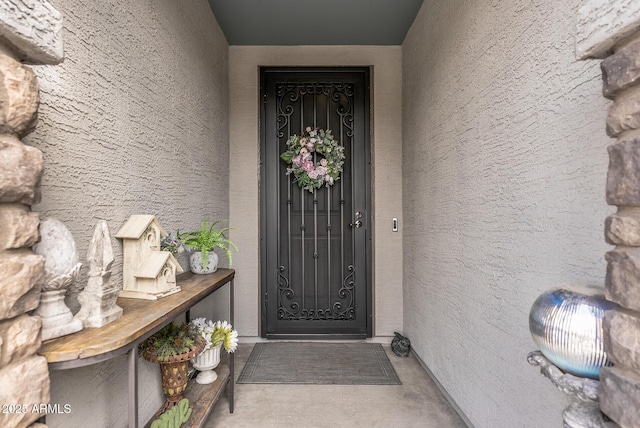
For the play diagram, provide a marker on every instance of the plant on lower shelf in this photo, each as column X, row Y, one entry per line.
column 172, row 347
column 170, row 341
column 175, row 416
column 214, row 334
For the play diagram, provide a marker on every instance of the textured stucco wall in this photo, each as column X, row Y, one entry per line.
column 386, row 78
column 135, row 121
column 504, row 164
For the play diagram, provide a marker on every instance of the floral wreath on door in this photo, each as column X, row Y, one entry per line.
column 315, row 158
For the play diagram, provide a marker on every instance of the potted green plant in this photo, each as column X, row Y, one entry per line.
column 172, row 347
column 202, row 243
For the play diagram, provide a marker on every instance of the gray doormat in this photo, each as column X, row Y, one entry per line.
column 319, row 363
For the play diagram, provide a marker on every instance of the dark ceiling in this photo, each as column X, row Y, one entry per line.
column 315, row 22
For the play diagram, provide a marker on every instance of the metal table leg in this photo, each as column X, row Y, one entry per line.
column 232, row 379
column 133, row 387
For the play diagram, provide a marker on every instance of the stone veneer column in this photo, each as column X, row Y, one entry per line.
column 30, row 30
column 611, row 30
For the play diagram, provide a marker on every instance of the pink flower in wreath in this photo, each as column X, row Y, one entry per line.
column 308, row 129
column 310, row 147
column 303, row 151
column 297, row 160
column 323, row 162
column 321, row 170
column 313, row 174
column 307, row 166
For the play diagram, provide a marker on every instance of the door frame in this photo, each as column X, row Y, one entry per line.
column 368, row 201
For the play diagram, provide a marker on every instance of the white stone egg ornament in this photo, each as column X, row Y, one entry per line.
column 59, row 249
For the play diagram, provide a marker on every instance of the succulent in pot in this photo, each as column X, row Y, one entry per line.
column 172, row 347
column 203, row 242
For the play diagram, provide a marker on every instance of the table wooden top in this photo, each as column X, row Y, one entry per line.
column 139, row 320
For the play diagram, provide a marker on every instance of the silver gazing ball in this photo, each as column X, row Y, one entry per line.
column 566, row 324
column 62, row 263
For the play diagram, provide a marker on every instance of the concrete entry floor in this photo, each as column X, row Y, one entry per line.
column 415, row 403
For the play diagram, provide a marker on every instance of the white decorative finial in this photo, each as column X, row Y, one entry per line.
column 98, row 299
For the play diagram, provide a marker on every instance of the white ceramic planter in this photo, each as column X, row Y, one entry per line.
column 195, row 261
column 205, row 363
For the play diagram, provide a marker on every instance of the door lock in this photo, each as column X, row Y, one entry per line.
column 358, row 222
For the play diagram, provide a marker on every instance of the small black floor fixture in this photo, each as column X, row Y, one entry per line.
column 401, row 345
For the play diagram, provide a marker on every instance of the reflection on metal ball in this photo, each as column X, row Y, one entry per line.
column 566, row 324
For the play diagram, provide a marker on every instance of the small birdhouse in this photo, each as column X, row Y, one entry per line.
column 147, row 272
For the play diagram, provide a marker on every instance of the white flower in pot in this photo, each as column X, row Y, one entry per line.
column 216, row 335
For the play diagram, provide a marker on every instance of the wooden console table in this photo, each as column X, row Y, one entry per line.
column 141, row 319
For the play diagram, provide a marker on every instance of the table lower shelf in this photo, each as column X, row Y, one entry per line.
column 203, row 397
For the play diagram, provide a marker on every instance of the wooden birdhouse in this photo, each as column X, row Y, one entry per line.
column 147, row 272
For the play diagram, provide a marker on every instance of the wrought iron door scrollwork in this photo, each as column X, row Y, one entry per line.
column 286, row 293
column 340, row 93
column 285, row 111
column 346, row 292
column 343, row 95
column 289, row 308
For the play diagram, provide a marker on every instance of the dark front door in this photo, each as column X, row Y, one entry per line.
column 315, row 245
